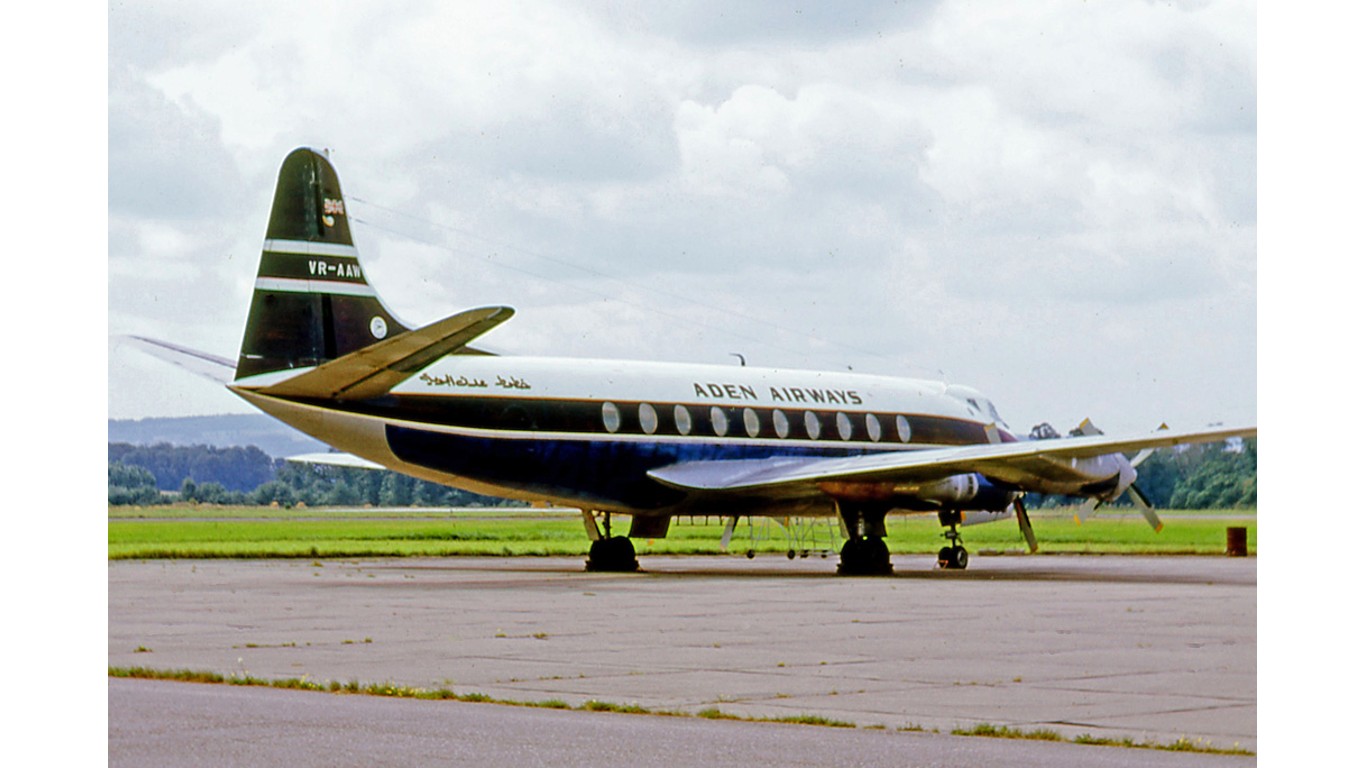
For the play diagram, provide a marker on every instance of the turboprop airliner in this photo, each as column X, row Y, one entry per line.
column 644, row 440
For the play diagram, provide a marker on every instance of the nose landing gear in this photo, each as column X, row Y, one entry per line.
column 954, row 556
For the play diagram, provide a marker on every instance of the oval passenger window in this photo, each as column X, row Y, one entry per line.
column 780, row 424
column 719, row 422
column 682, row 420
column 611, row 417
column 649, row 420
column 751, row 422
column 813, row 426
column 874, row 427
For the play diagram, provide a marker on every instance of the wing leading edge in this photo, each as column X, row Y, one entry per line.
column 1029, row 465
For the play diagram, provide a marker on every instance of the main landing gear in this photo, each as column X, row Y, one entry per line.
column 865, row 553
column 954, row 556
column 613, row 554
column 608, row 553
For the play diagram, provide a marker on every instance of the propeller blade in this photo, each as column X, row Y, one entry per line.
column 1084, row 511
column 728, row 532
column 1025, row 527
column 1088, row 429
column 1146, row 452
column 1146, row 506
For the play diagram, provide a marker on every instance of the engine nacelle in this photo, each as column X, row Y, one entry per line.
column 966, row 491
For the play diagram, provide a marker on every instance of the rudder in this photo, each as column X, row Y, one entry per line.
column 311, row 302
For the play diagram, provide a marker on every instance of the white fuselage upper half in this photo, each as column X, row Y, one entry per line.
column 557, row 378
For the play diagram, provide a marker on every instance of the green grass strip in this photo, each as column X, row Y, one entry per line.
column 393, row 690
column 1043, row 734
column 200, row 532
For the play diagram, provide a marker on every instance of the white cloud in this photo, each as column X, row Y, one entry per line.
column 971, row 188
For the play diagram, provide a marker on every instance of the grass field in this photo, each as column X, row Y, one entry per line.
column 259, row 532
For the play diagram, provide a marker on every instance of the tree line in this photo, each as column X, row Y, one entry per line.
column 168, row 474
column 1197, row 477
column 1205, row 476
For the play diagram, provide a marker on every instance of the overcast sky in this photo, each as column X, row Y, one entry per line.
column 1054, row 202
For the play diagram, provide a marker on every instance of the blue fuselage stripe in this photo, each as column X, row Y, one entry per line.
column 600, row 472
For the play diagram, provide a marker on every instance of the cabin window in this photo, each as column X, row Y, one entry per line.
column 682, row 420
column 611, row 417
column 813, row 426
column 844, row 425
column 903, row 429
column 751, row 422
column 719, row 422
column 780, row 423
column 874, row 427
column 649, row 420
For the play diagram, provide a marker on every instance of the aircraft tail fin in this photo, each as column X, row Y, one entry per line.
column 312, row 302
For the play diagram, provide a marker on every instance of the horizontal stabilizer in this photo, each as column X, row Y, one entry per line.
column 378, row 368
column 335, row 460
column 212, row 367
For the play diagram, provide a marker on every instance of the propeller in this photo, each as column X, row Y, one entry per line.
column 1136, row 495
column 1022, row 517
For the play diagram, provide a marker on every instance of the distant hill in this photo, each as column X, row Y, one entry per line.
column 264, row 432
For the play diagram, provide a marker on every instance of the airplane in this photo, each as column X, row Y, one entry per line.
column 647, row 440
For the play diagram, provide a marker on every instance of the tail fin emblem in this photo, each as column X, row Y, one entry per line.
column 332, row 208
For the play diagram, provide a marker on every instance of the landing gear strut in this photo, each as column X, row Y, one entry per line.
column 954, row 556
column 608, row 553
column 865, row 553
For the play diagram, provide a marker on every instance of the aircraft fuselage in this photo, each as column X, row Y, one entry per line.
column 584, row 432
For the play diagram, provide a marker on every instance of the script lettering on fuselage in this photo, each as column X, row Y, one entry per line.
column 447, row 380
column 720, row 391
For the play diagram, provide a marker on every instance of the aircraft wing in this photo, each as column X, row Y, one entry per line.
column 334, row 460
column 374, row 370
column 1018, row 463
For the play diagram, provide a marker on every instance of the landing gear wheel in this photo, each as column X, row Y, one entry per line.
column 959, row 558
column 953, row 558
column 865, row 557
column 613, row 555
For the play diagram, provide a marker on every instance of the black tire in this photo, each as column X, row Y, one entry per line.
column 945, row 557
column 613, row 555
column 959, row 558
